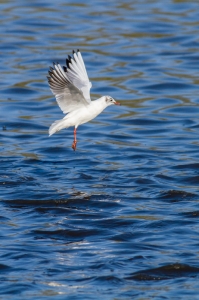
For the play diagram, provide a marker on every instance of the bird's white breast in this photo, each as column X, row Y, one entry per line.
column 86, row 113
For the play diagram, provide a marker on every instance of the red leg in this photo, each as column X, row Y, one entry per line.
column 75, row 140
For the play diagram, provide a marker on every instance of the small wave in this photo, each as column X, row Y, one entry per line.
column 166, row 272
column 176, row 195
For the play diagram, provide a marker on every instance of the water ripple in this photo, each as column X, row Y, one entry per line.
column 118, row 218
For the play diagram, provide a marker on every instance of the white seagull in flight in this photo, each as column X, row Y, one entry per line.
column 71, row 88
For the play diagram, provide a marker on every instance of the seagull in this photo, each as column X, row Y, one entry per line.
column 71, row 87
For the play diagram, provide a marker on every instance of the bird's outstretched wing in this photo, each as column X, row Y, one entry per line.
column 70, row 86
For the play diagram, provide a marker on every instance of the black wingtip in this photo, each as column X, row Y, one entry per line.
column 67, row 63
column 74, row 52
column 78, row 50
column 65, row 69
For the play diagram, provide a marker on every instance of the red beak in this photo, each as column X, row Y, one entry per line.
column 117, row 103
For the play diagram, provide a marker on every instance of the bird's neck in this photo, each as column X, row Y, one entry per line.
column 101, row 103
column 98, row 106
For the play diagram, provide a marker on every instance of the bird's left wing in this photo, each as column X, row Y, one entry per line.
column 68, row 96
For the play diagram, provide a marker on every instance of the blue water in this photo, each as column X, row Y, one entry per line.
column 118, row 218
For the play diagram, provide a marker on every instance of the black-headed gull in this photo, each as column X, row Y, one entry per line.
column 71, row 87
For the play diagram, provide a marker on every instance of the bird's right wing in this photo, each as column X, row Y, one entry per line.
column 77, row 75
column 68, row 96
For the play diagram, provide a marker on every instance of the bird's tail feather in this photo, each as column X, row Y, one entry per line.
column 57, row 126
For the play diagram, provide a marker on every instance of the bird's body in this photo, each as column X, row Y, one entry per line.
column 79, row 116
column 71, row 88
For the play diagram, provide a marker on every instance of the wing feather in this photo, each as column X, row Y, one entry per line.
column 81, row 60
column 76, row 58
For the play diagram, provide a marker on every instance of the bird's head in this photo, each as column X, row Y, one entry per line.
column 109, row 101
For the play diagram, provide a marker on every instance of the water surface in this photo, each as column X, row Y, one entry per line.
column 118, row 218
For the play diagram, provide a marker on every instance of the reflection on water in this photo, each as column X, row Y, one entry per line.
column 119, row 217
